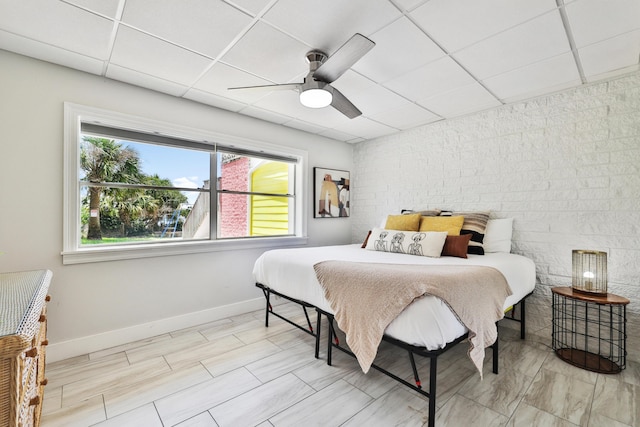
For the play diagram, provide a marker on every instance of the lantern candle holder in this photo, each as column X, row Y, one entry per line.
column 589, row 271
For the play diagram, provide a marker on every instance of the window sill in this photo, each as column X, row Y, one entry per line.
column 115, row 253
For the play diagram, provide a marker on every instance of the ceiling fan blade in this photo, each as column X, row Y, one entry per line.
column 347, row 55
column 287, row 86
column 342, row 104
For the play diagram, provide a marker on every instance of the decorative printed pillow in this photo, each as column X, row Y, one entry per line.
column 409, row 222
column 451, row 224
column 456, row 246
column 428, row 243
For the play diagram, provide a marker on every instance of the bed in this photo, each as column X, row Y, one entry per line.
column 427, row 327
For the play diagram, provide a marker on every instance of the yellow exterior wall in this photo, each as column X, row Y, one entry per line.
column 270, row 215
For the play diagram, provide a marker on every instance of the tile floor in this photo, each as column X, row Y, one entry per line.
column 235, row 372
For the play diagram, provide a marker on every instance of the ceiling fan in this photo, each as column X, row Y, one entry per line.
column 316, row 90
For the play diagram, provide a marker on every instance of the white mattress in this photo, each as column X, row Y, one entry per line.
column 426, row 322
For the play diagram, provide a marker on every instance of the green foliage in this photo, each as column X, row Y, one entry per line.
column 123, row 212
column 105, row 160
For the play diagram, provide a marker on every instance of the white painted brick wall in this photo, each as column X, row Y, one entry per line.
column 565, row 166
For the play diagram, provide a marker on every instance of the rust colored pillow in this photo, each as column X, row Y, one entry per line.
column 366, row 239
column 456, row 246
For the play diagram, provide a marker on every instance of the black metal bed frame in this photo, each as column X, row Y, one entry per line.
column 309, row 329
column 333, row 342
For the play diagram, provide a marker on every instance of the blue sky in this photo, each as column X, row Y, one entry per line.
column 185, row 168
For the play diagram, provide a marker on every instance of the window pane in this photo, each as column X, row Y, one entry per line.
column 270, row 216
column 266, row 212
column 125, row 215
column 109, row 160
column 253, row 216
column 113, row 215
column 233, row 215
column 253, row 174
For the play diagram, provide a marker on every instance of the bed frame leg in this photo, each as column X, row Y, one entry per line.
column 267, row 295
column 416, row 378
column 318, row 325
column 495, row 355
column 522, row 318
column 433, row 370
column 306, row 315
column 496, row 351
column 329, row 338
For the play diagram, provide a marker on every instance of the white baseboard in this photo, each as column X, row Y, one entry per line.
column 79, row 346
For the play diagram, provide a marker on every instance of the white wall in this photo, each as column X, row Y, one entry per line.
column 100, row 304
column 565, row 166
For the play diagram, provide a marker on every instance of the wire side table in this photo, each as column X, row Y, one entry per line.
column 590, row 331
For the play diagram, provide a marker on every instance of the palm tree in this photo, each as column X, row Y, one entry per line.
column 125, row 204
column 105, row 160
column 162, row 202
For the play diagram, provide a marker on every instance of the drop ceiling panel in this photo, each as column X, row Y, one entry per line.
column 533, row 80
column 365, row 128
column 220, row 77
column 369, row 97
column 406, row 116
column 456, row 24
column 212, row 25
column 463, row 100
column 616, row 53
column 326, row 25
column 340, row 136
column 45, row 52
column 390, row 59
column 269, row 54
column 284, row 102
column 596, row 20
column 408, row 5
column 144, row 80
column 305, row 126
column 214, row 100
column 433, row 59
column 429, row 80
column 538, row 39
column 327, row 118
column 252, row 6
column 152, row 56
column 58, row 24
column 268, row 116
column 108, row 8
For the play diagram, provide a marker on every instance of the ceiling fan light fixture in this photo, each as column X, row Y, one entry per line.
column 316, row 90
column 316, row 98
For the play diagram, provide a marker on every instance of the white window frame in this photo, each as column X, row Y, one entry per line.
column 74, row 253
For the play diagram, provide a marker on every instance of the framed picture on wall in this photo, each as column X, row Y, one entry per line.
column 330, row 193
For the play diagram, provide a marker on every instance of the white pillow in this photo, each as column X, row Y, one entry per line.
column 423, row 243
column 497, row 236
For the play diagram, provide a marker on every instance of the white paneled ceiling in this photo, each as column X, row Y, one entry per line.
column 433, row 59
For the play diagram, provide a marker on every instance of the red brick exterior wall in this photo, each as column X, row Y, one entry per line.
column 234, row 208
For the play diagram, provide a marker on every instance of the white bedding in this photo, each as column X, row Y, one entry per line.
column 426, row 322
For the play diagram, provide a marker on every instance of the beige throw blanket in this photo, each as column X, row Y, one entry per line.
column 366, row 297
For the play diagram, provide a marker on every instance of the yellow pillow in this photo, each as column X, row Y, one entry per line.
column 451, row 224
column 409, row 222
